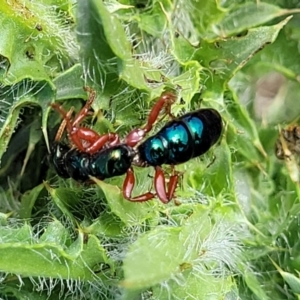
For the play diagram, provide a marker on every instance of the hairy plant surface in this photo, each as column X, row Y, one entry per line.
column 235, row 233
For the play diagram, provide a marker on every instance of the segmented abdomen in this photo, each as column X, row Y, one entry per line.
column 187, row 137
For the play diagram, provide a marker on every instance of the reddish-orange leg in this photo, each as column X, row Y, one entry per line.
column 164, row 195
column 136, row 135
column 85, row 139
column 132, row 139
column 62, row 126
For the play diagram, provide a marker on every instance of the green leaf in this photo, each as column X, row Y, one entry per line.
column 69, row 84
column 188, row 81
column 289, row 278
column 154, row 257
column 100, row 64
column 91, row 254
column 106, row 51
column 14, row 291
column 223, row 58
column 226, row 57
column 292, row 281
column 7, row 128
column 195, row 230
column 113, row 31
column 29, row 41
column 219, row 171
column 55, row 233
column 205, row 14
column 247, row 15
column 255, row 286
column 182, row 49
column 154, row 21
column 23, row 94
column 16, row 235
column 280, row 56
column 3, row 218
column 132, row 72
column 244, row 132
column 207, row 174
column 131, row 213
column 28, row 201
column 20, row 254
column 107, row 225
column 64, row 199
column 197, row 286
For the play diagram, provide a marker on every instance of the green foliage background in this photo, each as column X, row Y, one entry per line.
column 235, row 234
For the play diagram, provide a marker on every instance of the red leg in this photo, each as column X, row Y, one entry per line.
column 128, row 187
column 80, row 115
column 62, row 126
column 84, row 111
column 85, row 139
column 173, row 182
column 164, row 102
column 66, row 115
column 160, row 185
column 109, row 139
column 87, row 142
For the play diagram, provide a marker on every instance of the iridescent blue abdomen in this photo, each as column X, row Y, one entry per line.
column 182, row 139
